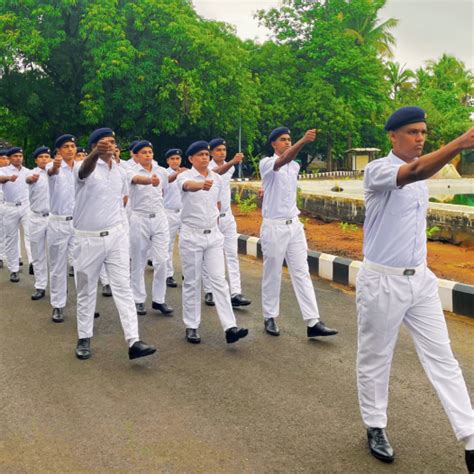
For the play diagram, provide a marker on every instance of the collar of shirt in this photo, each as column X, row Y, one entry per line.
column 196, row 174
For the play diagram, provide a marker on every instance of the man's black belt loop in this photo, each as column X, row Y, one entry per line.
column 104, row 233
column 409, row 272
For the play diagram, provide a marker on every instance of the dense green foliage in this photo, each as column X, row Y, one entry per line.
column 155, row 69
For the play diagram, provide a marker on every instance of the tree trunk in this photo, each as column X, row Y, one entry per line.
column 329, row 154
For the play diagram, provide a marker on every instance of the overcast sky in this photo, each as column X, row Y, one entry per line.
column 426, row 29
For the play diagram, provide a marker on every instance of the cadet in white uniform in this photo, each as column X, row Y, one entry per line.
column 227, row 224
column 3, row 163
column 148, row 227
column 282, row 235
column 101, row 240
column 395, row 286
column 61, row 238
column 172, row 202
column 201, row 241
column 38, row 219
column 16, row 208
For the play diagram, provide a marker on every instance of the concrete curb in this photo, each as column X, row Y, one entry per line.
column 455, row 297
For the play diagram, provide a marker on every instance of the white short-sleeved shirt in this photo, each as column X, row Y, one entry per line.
column 147, row 198
column 99, row 198
column 61, row 189
column 16, row 191
column 279, row 189
column 225, row 195
column 200, row 207
column 172, row 195
column 395, row 217
column 39, row 192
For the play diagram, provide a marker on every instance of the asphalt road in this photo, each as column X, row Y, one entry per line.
column 265, row 404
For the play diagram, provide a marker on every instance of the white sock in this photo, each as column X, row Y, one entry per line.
column 132, row 341
column 469, row 443
column 312, row 322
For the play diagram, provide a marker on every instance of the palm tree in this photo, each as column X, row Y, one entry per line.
column 399, row 78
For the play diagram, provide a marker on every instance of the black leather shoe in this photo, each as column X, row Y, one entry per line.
column 193, row 336
column 31, row 270
column 171, row 282
column 209, row 299
column 320, row 329
column 14, row 277
column 83, row 348
column 239, row 300
column 234, row 334
column 1, row 263
column 469, row 456
column 20, row 262
column 58, row 315
column 141, row 311
column 163, row 307
column 150, row 263
column 96, row 315
column 271, row 327
column 38, row 294
column 106, row 290
column 380, row 445
column 71, row 271
column 140, row 349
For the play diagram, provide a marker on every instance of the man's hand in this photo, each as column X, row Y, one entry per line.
column 105, row 148
column 310, row 135
column 207, row 184
column 13, row 178
column 181, row 170
column 155, row 181
column 239, row 157
column 58, row 159
column 33, row 178
column 466, row 140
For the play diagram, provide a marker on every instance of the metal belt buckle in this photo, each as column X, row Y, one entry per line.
column 222, row 215
column 69, row 218
column 207, row 231
column 104, row 233
column 409, row 272
column 152, row 215
column 289, row 221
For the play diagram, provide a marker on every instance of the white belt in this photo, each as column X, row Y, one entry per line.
column 392, row 270
column 14, row 204
column 199, row 230
column 99, row 233
column 42, row 214
column 54, row 217
column 280, row 221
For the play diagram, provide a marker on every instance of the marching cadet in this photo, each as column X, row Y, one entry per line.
column 173, row 204
column 201, row 241
column 395, row 286
column 148, row 227
column 38, row 219
column 101, row 240
column 61, row 238
column 282, row 234
column 80, row 154
column 227, row 224
column 15, row 195
column 3, row 163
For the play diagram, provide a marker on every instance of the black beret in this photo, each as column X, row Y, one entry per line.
column 100, row 133
column 196, row 147
column 4, row 152
column 274, row 134
column 141, row 144
column 405, row 116
column 40, row 150
column 60, row 141
column 16, row 149
column 216, row 142
column 81, row 149
column 130, row 147
column 173, row 152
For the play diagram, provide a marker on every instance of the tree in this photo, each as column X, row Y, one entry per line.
column 399, row 78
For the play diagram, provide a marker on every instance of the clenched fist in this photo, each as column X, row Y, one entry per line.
column 238, row 157
column 58, row 159
column 13, row 178
column 155, row 181
column 310, row 135
column 34, row 178
column 206, row 185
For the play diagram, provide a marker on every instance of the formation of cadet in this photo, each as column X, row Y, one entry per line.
column 107, row 217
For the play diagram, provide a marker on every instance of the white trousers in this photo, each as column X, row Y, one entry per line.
column 228, row 228
column 12, row 218
column 90, row 254
column 197, row 248
column 174, row 224
column 38, row 233
column 149, row 237
column 2, row 233
column 61, row 242
column 286, row 242
column 384, row 302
